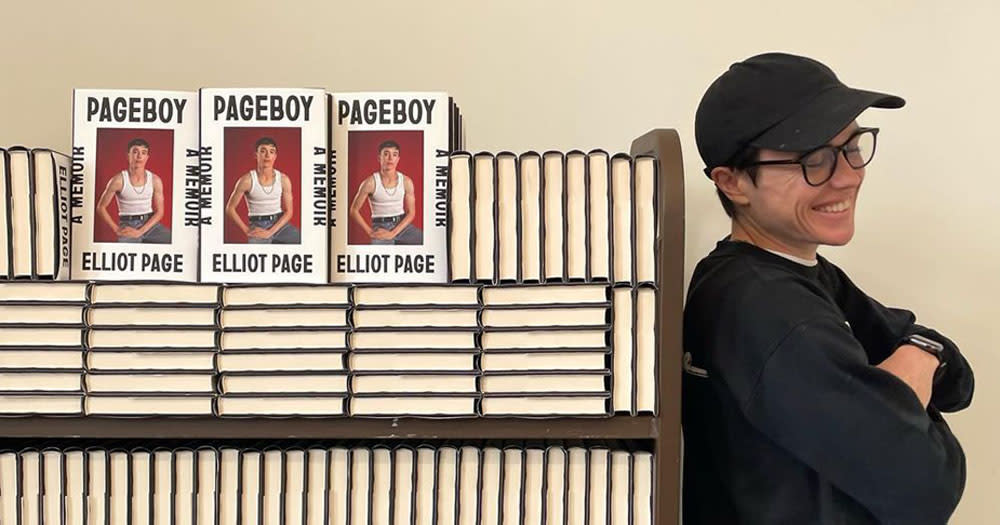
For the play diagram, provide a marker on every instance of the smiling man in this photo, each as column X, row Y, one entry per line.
column 805, row 400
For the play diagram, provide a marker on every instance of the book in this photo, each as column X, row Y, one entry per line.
column 248, row 383
column 207, row 485
column 538, row 338
column 22, row 225
column 75, row 469
column 422, row 382
column 530, row 217
column 264, row 184
column 280, row 405
column 412, row 361
column 404, row 478
column 412, row 339
column 534, row 485
column 381, row 485
column 136, row 405
column 283, row 295
column 598, row 216
column 135, row 186
column 531, row 316
column 507, row 217
column 646, row 346
column 622, row 241
column 52, row 213
column 554, row 503
column 148, row 360
column 59, row 292
column 642, row 488
column 53, row 358
column 543, row 381
column 154, row 293
column 273, row 486
column 484, row 227
column 53, row 504
column 10, row 503
column 279, row 318
column 623, row 351
column 251, row 486
column 646, row 202
column 460, row 206
column 468, row 483
column 599, row 483
column 490, row 486
column 5, row 233
column 139, row 486
column 359, row 504
column 555, row 294
column 98, row 485
column 110, row 316
column 228, row 486
column 317, row 486
column 554, row 216
column 425, row 490
column 512, row 485
column 362, row 318
column 279, row 360
column 177, row 488
column 389, row 162
column 37, row 337
column 413, row 296
column 569, row 404
column 142, row 338
column 576, row 216
column 23, row 381
column 294, row 501
column 41, row 314
column 31, row 479
column 41, row 403
column 312, row 338
column 576, row 486
column 97, row 382
column 423, row 405
column 446, row 498
column 118, row 487
column 621, row 487
column 535, row 361
column 340, row 486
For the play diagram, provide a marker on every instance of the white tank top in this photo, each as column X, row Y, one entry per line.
column 135, row 201
column 264, row 200
column 387, row 203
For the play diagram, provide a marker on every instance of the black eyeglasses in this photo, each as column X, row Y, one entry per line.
column 819, row 164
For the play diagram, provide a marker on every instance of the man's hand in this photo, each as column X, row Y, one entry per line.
column 258, row 233
column 382, row 234
column 129, row 232
column 915, row 367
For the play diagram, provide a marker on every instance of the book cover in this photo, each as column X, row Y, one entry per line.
column 135, row 188
column 264, row 185
column 51, row 211
column 389, row 166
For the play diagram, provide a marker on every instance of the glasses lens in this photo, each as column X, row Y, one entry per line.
column 860, row 150
column 818, row 165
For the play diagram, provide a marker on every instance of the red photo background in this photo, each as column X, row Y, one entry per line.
column 362, row 155
column 112, row 158
column 240, row 159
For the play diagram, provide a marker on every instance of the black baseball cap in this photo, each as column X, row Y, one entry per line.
column 777, row 101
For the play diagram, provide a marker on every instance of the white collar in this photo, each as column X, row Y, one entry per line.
column 800, row 260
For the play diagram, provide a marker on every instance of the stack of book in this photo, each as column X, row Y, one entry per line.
column 557, row 218
column 41, row 350
column 150, row 349
column 34, row 213
column 402, row 484
column 414, row 350
column 282, row 350
column 546, row 350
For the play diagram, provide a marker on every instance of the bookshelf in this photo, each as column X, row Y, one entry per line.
column 662, row 432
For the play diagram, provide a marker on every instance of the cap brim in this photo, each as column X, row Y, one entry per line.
column 823, row 118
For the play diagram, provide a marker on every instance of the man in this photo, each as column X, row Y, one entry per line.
column 387, row 190
column 804, row 400
column 139, row 193
column 268, row 194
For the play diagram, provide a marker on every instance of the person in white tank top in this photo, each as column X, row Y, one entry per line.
column 139, row 194
column 268, row 194
column 392, row 201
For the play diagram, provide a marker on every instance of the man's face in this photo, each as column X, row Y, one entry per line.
column 266, row 155
column 798, row 216
column 137, row 157
column 388, row 158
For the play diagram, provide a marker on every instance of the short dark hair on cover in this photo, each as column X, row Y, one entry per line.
column 388, row 144
column 137, row 142
column 265, row 141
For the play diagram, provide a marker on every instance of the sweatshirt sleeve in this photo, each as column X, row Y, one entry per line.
column 881, row 329
column 859, row 426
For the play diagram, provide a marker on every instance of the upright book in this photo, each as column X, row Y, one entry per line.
column 264, row 185
column 389, row 182
column 135, row 187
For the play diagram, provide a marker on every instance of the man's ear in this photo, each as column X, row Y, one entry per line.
column 732, row 183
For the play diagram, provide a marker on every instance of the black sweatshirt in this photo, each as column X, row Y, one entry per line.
column 794, row 423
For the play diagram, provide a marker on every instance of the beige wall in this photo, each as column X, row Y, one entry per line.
column 580, row 74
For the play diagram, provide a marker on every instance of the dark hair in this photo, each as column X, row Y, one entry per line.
column 740, row 161
column 265, row 141
column 137, row 142
column 388, row 144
